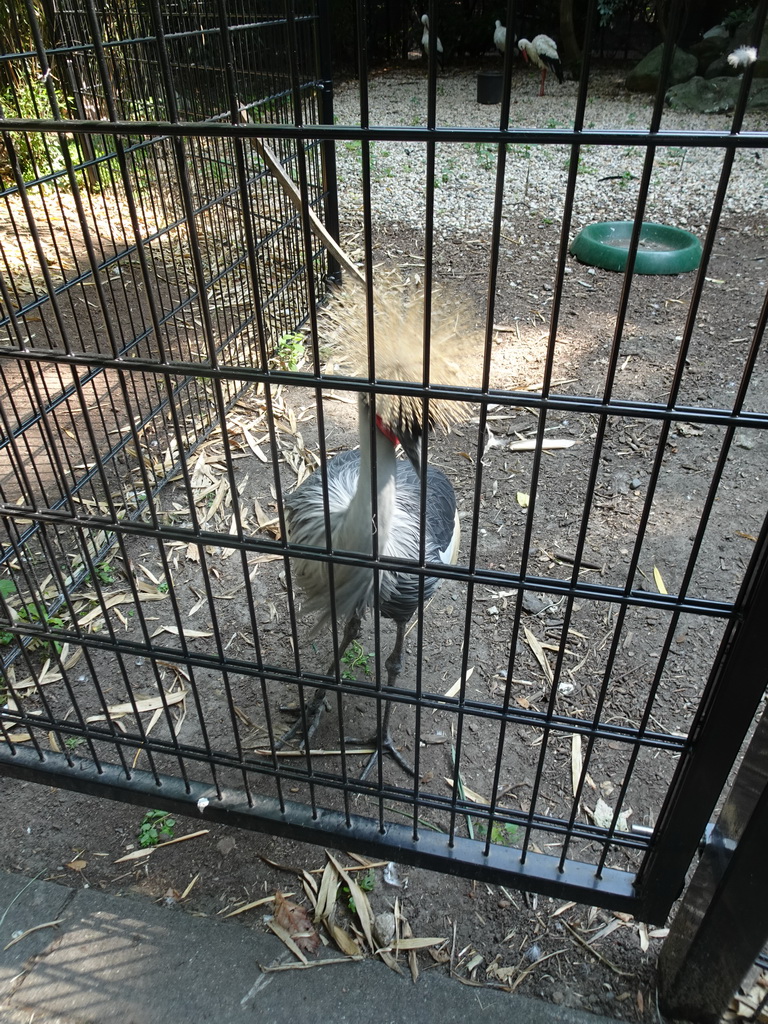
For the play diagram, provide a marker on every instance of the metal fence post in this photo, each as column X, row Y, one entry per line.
column 722, row 923
column 330, row 192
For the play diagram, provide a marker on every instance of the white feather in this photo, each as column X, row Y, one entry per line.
column 500, row 37
column 742, row 57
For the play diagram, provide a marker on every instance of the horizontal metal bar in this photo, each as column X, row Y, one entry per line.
column 462, row 574
column 386, row 133
column 614, row 890
column 471, row 396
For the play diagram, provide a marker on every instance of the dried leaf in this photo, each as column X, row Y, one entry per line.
column 659, row 581
column 362, row 906
column 523, row 499
column 538, row 652
column 296, row 922
column 575, row 761
column 453, row 690
column 548, row 444
column 77, row 865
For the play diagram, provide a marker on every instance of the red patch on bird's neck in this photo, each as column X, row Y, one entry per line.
column 389, row 434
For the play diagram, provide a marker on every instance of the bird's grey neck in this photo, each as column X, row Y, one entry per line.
column 367, row 519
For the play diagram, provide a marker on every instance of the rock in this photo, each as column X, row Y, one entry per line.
column 707, row 52
column 225, row 846
column 384, row 928
column 644, row 77
column 715, row 95
column 719, row 33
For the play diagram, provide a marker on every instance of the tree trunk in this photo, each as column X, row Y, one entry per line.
column 568, row 44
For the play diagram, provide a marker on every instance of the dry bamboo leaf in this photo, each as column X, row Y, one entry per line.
column 470, row 794
column 140, row 707
column 326, row 898
column 343, row 939
column 296, row 922
column 137, row 854
column 453, row 690
column 305, row 964
column 575, row 761
column 285, row 938
column 253, row 444
column 362, row 906
column 659, row 581
column 117, row 599
column 548, row 444
column 250, row 906
column 190, row 887
column 417, row 943
column 189, row 634
column 566, row 906
column 538, row 653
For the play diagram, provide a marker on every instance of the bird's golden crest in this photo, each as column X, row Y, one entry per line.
column 398, row 332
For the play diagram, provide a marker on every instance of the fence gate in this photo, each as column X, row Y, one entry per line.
column 577, row 691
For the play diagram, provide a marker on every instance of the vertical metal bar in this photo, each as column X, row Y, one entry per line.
column 721, row 924
column 328, row 146
column 737, row 684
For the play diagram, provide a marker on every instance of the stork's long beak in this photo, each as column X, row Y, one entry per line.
column 411, row 444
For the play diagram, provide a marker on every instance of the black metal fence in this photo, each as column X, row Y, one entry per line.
column 159, row 405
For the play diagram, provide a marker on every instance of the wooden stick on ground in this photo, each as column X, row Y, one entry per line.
column 294, row 195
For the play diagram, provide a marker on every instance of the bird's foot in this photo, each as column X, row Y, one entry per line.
column 312, row 716
column 387, row 746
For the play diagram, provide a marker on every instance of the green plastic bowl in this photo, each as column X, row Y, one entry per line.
column 661, row 249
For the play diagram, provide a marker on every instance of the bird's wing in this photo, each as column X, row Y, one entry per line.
column 547, row 51
column 400, row 590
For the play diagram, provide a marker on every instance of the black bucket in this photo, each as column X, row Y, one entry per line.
column 489, row 86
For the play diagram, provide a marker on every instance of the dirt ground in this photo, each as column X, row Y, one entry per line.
column 569, row 954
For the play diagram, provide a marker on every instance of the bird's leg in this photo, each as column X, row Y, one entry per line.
column 543, row 76
column 383, row 740
column 314, row 711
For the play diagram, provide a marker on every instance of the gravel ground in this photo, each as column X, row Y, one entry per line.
column 682, row 186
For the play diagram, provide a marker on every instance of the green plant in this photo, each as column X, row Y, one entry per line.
column 155, row 826
column 355, row 657
column 501, row 835
column 31, row 613
column 38, row 154
column 105, row 573
column 72, row 742
column 288, row 353
column 366, row 881
column 486, row 155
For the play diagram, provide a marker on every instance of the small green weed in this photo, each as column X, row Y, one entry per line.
column 355, row 657
column 486, row 155
column 73, row 742
column 289, row 352
column 366, row 881
column 105, row 573
column 31, row 613
column 501, row 835
column 155, row 826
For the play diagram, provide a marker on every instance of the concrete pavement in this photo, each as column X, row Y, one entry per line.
column 125, row 960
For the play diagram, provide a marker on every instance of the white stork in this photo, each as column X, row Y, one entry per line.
column 425, row 40
column 500, row 37
column 542, row 51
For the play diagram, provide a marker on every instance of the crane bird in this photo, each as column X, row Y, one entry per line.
column 395, row 518
column 500, row 37
column 542, row 51
column 425, row 40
